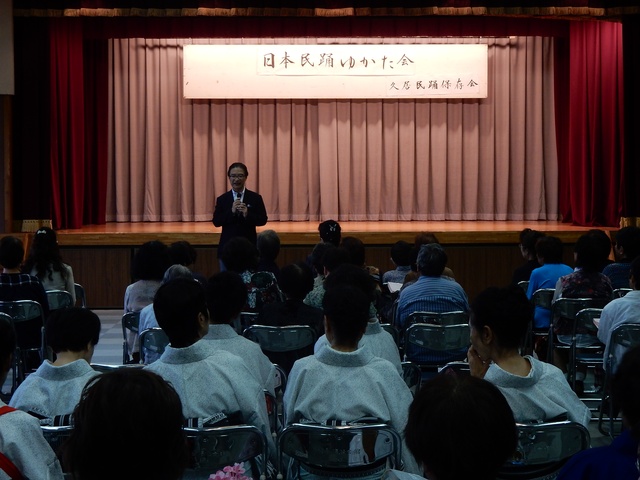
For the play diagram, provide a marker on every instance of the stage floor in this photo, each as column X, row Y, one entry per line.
column 306, row 233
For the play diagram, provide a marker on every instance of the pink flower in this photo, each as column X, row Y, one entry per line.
column 234, row 472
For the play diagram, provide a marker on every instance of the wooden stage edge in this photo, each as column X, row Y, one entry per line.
column 306, row 233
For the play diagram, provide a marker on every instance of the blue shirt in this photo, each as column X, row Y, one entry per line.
column 545, row 276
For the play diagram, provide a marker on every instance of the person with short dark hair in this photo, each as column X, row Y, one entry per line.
column 356, row 250
column 401, row 258
column 536, row 391
column 238, row 211
column 432, row 292
column 330, row 232
column 528, row 240
column 183, row 253
column 549, row 255
column 331, row 259
column 619, row 459
column 375, row 338
column 15, row 285
column 226, row 296
column 345, row 382
column 54, row 388
column 268, row 245
column 127, row 407
column 477, row 421
column 602, row 241
column 150, row 262
column 422, row 238
column 21, row 439
column 626, row 249
column 212, row 383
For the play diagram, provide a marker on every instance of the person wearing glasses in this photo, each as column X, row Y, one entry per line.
column 238, row 211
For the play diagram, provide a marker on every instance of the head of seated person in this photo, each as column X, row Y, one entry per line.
column 627, row 244
column 589, row 253
column 333, row 258
column 268, row 245
column 330, row 232
column 349, row 274
column 481, row 433
column 601, row 247
column 431, row 260
column 240, row 255
column 296, row 280
column 127, row 407
column 11, row 253
column 72, row 333
column 182, row 253
column 226, row 295
column 150, row 261
column 549, row 250
column 401, row 253
column 346, row 314
column 181, row 311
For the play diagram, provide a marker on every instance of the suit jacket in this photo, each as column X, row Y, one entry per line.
column 238, row 225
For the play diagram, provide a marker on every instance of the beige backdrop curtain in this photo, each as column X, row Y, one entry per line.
column 400, row 159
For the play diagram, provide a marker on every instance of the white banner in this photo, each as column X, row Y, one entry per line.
column 335, row 71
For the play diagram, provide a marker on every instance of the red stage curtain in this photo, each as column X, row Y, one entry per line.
column 594, row 169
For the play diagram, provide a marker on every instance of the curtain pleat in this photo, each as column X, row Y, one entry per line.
column 399, row 159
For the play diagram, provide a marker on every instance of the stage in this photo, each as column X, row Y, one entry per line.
column 480, row 253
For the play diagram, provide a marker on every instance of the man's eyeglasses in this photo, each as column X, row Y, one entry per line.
column 239, row 175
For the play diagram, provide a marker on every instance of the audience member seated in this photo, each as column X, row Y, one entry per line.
column 585, row 282
column 481, row 432
column 314, row 260
column 549, row 254
column 433, row 291
column 149, row 264
column 356, row 250
column 215, row 386
column 226, row 296
column 330, row 232
column 343, row 382
column 24, row 449
column 422, row 238
column 604, row 244
column 619, row 459
column 626, row 249
column 183, row 253
column 268, row 245
column 401, row 258
column 375, row 339
column 44, row 261
column 128, row 425
column 241, row 256
column 296, row 281
column 528, row 240
column 333, row 257
column 148, row 316
column 22, row 286
column 621, row 310
column 54, row 389
column 536, row 391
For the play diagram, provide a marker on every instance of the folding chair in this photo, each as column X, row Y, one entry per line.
column 213, row 448
column 543, row 298
column 412, row 376
column 433, row 346
column 591, row 355
column 524, row 285
column 59, row 299
column 81, row 296
column 28, row 321
column 395, row 333
column 620, row 292
column 280, row 386
column 130, row 324
column 624, row 336
column 15, row 363
column 543, row 449
column 283, row 345
column 348, row 451
column 152, row 344
column 56, row 436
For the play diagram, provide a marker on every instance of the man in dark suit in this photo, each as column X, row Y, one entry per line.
column 238, row 211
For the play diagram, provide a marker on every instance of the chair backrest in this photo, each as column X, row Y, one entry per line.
column 440, row 338
column 59, row 299
column 281, row 339
column 152, row 344
column 130, row 323
column 81, row 295
column 214, row 448
column 544, row 448
column 56, row 436
column 569, row 307
column 620, row 292
column 28, row 321
column 456, row 317
column 524, row 285
column 321, row 449
column 585, row 321
column 412, row 376
column 543, row 297
column 626, row 335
